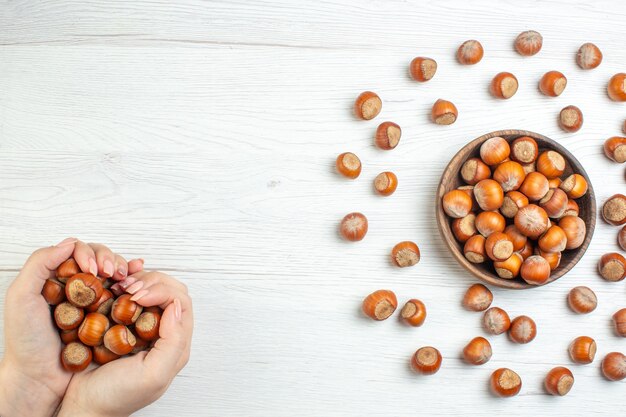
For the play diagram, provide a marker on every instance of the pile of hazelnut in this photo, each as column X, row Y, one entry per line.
column 515, row 210
column 93, row 323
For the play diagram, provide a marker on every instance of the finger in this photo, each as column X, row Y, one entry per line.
column 144, row 280
column 121, row 268
column 134, row 266
column 105, row 259
column 164, row 359
column 42, row 264
column 85, row 258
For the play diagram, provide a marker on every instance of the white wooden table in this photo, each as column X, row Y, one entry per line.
column 202, row 135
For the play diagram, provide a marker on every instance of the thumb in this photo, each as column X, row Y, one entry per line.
column 164, row 356
column 41, row 265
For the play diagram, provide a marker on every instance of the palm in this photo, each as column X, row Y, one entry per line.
column 33, row 342
column 110, row 385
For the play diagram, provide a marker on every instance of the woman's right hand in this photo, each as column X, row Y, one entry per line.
column 126, row 385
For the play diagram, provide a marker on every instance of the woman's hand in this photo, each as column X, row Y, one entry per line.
column 32, row 380
column 126, row 385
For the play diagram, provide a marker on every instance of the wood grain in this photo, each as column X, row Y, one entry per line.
column 201, row 135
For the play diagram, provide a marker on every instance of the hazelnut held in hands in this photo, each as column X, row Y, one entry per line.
column 380, row 304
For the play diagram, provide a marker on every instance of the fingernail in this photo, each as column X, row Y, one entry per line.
column 139, row 295
column 178, row 311
column 116, row 289
column 127, row 282
column 93, row 267
column 135, row 287
column 122, row 271
column 65, row 242
column 107, row 268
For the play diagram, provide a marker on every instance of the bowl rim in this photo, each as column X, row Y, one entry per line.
column 443, row 222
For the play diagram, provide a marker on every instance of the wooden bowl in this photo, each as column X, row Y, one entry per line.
column 451, row 179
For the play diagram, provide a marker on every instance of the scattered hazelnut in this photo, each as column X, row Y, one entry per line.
column 386, row 183
column 617, row 87
column 621, row 238
column 528, row 43
column 478, row 351
column 348, row 165
column 496, row 321
column 423, row 69
column 571, row 119
column 588, row 56
column 612, row 267
column 505, row 382
column 477, row 298
column 380, row 304
column 582, row 350
column 523, row 330
column 582, row 300
column 504, row 85
column 615, row 149
column 426, row 360
column 444, row 112
column 405, row 254
column 614, row 366
column 614, row 210
column 619, row 320
column 559, row 381
column 388, row 135
column 354, row 227
column 552, row 83
column 367, row 105
column 413, row 313
column 470, row 52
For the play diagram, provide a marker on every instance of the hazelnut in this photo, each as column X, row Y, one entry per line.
column 413, row 313
column 535, row 186
column 509, row 268
column 386, row 183
column 575, row 186
column 488, row 222
column 523, row 330
column 426, row 360
column 582, row 350
column 504, row 85
column 559, row 381
column 588, row 56
column 619, row 320
column 489, row 195
column 464, row 227
column 422, row 69
column 474, row 249
column 495, row 150
column 444, row 112
column 552, row 83
column 478, row 351
column 388, row 135
column 535, row 270
column 571, row 119
column 575, row 230
column 528, row 43
column 498, row 246
column 367, row 105
column 524, row 150
column 614, row 366
column 582, row 300
column 496, row 321
column 477, row 298
column 532, row 221
column 510, row 175
column 614, row 210
column 617, row 87
column 612, row 267
column 615, row 149
column 380, row 304
column 354, row 227
column 470, row 52
column 348, row 165
column 551, row 164
column 475, row 170
column 512, row 202
column 505, row 382
column 405, row 254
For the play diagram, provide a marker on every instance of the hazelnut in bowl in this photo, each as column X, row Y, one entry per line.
column 516, row 209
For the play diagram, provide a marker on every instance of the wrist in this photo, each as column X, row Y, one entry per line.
column 20, row 396
column 70, row 408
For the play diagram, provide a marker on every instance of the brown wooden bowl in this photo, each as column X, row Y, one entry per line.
column 451, row 179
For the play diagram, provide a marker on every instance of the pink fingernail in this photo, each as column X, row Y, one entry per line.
column 178, row 311
column 127, row 282
column 65, row 242
column 107, row 268
column 139, row 295
column 122, row 271
column 93, row 267
column 135, row 287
